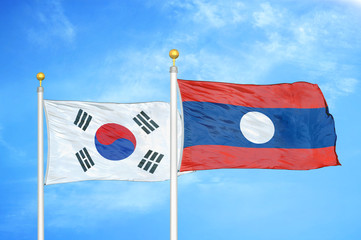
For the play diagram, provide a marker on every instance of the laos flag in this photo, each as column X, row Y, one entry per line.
column 281, row 126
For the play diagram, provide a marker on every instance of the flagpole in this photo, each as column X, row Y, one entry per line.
column 173, row 148
column 40, row 76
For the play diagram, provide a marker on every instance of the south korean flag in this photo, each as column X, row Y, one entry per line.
column 108, row 141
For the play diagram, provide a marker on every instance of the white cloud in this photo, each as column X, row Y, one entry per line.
column 147, row 74
column 340, row 87
column 306, row 41
column 347, row 85
column 353, row 2
column 16, row 223
column 214, row 14
column 241, row 198
column 70, row 206
column 311, row 41
column 218, row 15
column 17, row 213
column 15, row 152
column 52, row 24
column 93, row 202
column 268, row 16
column 188, row 180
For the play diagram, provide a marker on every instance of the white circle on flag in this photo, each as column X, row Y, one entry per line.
column 256, row 127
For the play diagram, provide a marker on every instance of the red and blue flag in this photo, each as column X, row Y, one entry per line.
column 280, row 126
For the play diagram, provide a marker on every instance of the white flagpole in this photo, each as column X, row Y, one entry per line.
column 173, row 148
column 40, row 76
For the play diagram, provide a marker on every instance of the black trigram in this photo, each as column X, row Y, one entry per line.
column 83, row 119
column 144, row 121
column 84, row 159
column 150, row 161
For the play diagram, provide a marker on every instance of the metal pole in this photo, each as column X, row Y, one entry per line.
column 40, row 77
column 173, row 148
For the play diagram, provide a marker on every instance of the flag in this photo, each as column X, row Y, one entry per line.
column 281, row 126
column 107, row 141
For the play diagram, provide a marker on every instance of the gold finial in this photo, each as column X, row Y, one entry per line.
column 173, row 54
column 40, row 76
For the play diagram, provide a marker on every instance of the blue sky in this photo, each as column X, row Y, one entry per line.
column 117, row 51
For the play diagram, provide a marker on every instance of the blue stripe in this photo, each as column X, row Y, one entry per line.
column 219, row 124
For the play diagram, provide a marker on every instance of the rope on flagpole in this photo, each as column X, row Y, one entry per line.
column 173, row 148
column 40, row 76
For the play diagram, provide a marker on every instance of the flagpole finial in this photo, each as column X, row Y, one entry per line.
column 173, row 54
column 40, row 76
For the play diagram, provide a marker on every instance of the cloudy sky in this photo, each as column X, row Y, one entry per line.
column 117, row 51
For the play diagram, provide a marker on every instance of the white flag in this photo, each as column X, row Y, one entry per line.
column 108, row 141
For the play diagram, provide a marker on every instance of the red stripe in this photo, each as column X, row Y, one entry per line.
column 110, row 132
column 295, row 95
column 203, row 157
